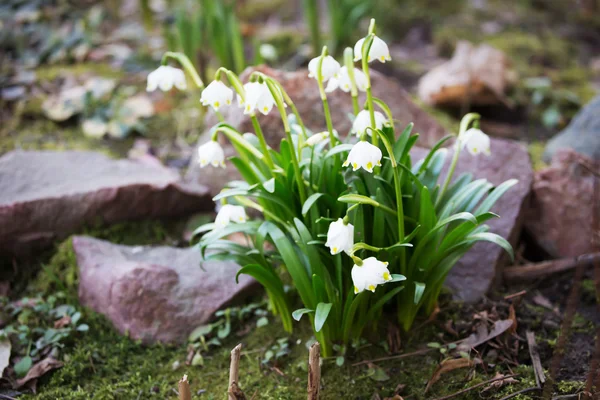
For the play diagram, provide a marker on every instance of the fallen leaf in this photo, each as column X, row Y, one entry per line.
column 61, row 323
column 512, row 315
column 4, row 354
column 500, row 382
column 482, row 335
column 38, row 370
column 447, row 366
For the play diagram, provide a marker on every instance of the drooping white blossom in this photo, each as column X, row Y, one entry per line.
column 364, row 155
column 230, row 213
column 329, row 68
column 379, row 50
column 370, row 274
column 165, row 77
column 211, row 153
column 363, row 121
column 342, row 80
column 258, row 97
column 216, row 95
column 476, row 142
column 340, row 237
column 317, row 138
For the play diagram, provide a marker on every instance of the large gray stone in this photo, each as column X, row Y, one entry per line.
column 482, row 266
column 581, row 135
column 563, row 205
column 155, row 294
column 305, row 94
column 47, row 195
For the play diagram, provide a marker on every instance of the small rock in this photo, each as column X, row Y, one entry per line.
column 477, row 271
column 47, row 195
column 581, row 135
column 560, row 219
column 305, row 94
column 154, row 294
column 479, row 75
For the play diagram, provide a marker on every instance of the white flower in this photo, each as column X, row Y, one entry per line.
column 363, row 121
column 216, row 94
column 94, row 128
column 329, row 68
column 258, row 97
column 370, row 274
column 365, row 155
column 476, row 142
column 378, row 51
column 343, row 81
column 340, row 237
column 317, row 138
column 165, row 77
column 229, row 213
column 212, row 153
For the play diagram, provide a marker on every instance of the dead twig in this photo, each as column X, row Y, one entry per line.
column 397, row 357
column 234, row 392
column 184, row 389
column 314, row 371
column 518, row 294
column 499, row 378
column 543, row 269
column 538, row 370
column 515, row 394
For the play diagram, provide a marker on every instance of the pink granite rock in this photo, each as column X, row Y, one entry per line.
column 482, row 266
column 563, row 204
column 155, row 294
column 47, row 195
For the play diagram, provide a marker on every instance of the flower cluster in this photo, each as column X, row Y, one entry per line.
column 339, row 233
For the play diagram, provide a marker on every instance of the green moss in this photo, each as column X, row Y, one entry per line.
column 568, row 387
column 536, row 151
column 51, row 72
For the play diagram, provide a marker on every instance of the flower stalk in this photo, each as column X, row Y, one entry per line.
column 186, row 64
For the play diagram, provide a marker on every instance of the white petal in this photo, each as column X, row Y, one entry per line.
column 363, row 121
column 378, row 51
column 364, row 154
column 217, row 95
column 340, row 237
column 476, row 142
column 212, row 153
column 329, row 68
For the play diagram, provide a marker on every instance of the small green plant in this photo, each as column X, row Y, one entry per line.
column 554, row 106
column 209, row 28
column 350, row 229
column 40, row 327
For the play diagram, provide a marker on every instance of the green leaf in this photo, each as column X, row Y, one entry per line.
column 310, row 202
column 83, row 328
column 321, row 315
column 202, row 330
column 494, row 238
column 297, row 314
column 23, row 366
column 489, row 202
column 263, row 321
column 340, row 148
column 270, row 185
column 419, row 290
column 397, row 278
column 358, row 199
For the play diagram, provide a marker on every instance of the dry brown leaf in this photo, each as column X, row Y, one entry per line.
column 482, row 335
column 38, row 370
column 447, row 366
column 500, row 382
column 61, row 323
column 512, row 315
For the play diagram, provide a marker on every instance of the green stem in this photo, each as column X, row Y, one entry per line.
column 464, row 126
column 186, row 64
column 312, row 16
column 263, row 142
column 286, row 126
column 365, row 65
column 326, row 111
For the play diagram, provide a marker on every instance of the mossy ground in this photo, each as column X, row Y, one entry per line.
column 103, row 364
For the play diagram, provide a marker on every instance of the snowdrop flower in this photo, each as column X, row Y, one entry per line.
column 329, row 69
column 365, row 155
column 165, row 77
column 212, row 153
column 216, row 94
column 378, row 51
column 343, row 81
column 229, row 213
column 340, row 237
column 258, row 97
column 370, row 274
column 363, row 121
column 476, row 142
column 317, row 138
